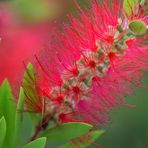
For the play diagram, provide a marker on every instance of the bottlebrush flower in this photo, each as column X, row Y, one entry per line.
column 97, row 60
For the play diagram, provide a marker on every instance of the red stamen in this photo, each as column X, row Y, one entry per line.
column 76, row 90
column 92, row 64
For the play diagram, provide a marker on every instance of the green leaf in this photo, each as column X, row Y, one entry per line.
column 29, row 87
column 32, row 98
column 38, row 143
column 19, row 117
column 29, row 75
column 85, row 140
column 7, row 109
column 67, row 131
column 67, row 145
column 138, row 27
column 2, row 130
column 27, row 128
column 129, row 6
column 94, row 136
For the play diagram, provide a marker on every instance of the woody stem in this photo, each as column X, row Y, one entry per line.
column 36, row 133
column 42, row 125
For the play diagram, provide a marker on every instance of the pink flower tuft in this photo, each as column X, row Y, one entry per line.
column 92, row 64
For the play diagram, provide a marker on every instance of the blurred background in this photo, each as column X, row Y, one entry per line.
column 129, row 127
column 25, row 31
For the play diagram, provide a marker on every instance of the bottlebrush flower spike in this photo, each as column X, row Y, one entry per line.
column 97, row 61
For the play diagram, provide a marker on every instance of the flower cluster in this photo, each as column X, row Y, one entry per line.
column 91, row 65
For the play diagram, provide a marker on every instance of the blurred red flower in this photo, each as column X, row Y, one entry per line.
column 18, row 43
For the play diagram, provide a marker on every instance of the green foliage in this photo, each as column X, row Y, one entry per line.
column 138, row 27
column 32, row 99
column 66, row 131
column 29, row 75
column 25, row 131
column 2, row 130
column 7, row 109
column 29, row 86
column 67, row 145
column 94, row 135
column 38, row 143
column 129, row 6
column 142, row 2
column 85, row 140
column 19, row 117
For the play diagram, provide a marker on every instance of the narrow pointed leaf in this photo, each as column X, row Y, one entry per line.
column 7, row 109
column 2, row 130
column 32, row 99
column 19, row 116
column 67, row 131
column 38, row 143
